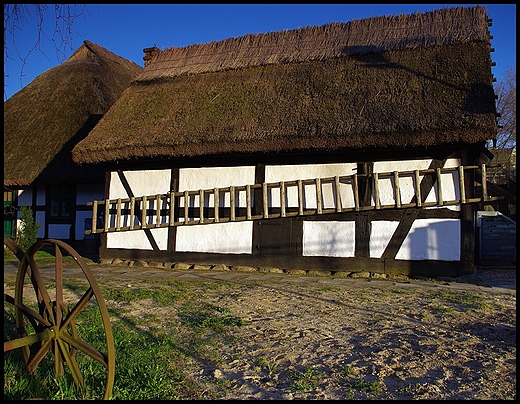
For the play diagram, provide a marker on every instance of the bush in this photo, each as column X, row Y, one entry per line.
column 28, row 232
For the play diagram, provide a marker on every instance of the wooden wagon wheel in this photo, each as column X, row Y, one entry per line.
column 66, row 322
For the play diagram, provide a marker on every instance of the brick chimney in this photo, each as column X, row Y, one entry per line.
column 149, row 54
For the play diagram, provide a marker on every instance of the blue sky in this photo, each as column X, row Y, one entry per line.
column 127, row 29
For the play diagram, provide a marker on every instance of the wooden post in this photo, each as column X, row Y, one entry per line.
column 201, row 205
column 282, row 198
column 216, row 203
column 418, row 200
column 118, row 215
column 318, row 196
column 143, row 212
column 132, row 213
column 397, row 192
column 186, row 203
column 266, row 207
column 158, row 203
column 232, row 203
column 94, row 217
column 248, row 202
column 484, row 182
column 461, row 185
column 355, row 190
column 107, row 214
column 338, row 196
column 439, row 187
column 172, row 208
column 377, row 201
column 300, row 197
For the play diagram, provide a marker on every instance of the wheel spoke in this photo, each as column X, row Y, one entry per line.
column 45, row 324
column 59, row 283
column 77, row 309
column 33, row 316
column 64, row 353
column 37, row 357
column 85, row 348
column 44, row 301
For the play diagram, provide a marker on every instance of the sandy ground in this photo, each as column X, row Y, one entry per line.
column 379, row 340
column 308, row 338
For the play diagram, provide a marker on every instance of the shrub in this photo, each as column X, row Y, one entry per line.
column 28, row 232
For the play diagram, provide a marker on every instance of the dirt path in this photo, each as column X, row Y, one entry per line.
column 321, row 338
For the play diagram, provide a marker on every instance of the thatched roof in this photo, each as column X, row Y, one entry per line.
column 44, row 120
column 387, row 82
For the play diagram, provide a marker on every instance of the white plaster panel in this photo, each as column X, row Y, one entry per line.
column 229, row 238
column 138, row 240
column 40, row 219
column 142, row 182
column 329, row 239
column 380, row 235
column 59, row 231
column 406, row 184
column 450, row 188
column 80, row 223
column 89, row 192
column 40, row 195
column 25, row 197
column 277, row 173
column 432, row 239
column 208, row 178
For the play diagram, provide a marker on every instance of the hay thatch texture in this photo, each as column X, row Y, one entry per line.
column 406, row 81
column 44, row 120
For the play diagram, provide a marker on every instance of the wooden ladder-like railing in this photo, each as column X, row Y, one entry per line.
column 173, row 208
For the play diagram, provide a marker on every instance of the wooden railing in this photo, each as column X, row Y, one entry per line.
column 181, row 208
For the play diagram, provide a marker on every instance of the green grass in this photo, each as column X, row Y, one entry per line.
column 158, row 352
column 41, row 257
column 306, row 380
column 266, row 365
column 155, row 355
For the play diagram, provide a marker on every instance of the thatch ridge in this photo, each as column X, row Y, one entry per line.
column 58, row 106
column 371, row 35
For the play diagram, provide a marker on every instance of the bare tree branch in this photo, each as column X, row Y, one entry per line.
column 18, row 19
column 504, row 148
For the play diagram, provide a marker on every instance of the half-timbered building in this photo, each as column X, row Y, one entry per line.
column 42, row 123
column 352, row 146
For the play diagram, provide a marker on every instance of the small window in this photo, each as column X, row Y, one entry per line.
column 8, row 196
column 61, row 201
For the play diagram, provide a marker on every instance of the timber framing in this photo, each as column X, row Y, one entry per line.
column 281, row 245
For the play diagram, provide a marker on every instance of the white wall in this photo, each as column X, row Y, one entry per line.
column 142, row 182
column 329, row 239
column 80, row 223
column 138, row 240
column 225, row 238
column 40, row 219
column 277, row 173
column 380, row 236
column 406, row 184
column 25, row 197
column 40, row 195
column 86, row 193
column 59, row 231
column 231, row 238
column 432, row 239
column 89, row 192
